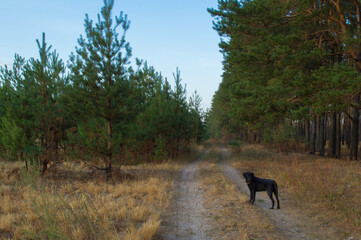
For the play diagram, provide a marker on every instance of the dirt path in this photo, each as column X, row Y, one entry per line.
column 188, row 218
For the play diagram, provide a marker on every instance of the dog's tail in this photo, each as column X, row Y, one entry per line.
column 275, row 189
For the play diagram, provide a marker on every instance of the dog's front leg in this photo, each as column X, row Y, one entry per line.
column 250, row 193
column 253, row 196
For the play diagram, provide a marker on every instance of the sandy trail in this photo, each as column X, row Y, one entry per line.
column 188, row 219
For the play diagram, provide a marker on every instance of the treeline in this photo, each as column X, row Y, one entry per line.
column 291, row 71
column 98, row 108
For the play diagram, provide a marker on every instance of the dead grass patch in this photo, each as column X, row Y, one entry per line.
column 327, row 189
column 68, row 204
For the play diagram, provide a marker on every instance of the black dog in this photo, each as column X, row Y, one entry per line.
column 256, row 184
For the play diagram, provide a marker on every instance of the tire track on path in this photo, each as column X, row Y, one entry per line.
column 188, row 219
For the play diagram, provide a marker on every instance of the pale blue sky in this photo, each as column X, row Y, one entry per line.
column 166, row 33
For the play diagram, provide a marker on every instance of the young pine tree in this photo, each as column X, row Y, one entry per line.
column 32, row 120
column 41, row 88
column 101, row 86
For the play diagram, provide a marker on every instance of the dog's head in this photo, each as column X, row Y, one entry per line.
column 248, row 176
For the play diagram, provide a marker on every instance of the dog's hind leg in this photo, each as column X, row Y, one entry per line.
column 269, row 192
column 276, row 194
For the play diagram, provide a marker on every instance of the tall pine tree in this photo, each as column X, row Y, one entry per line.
column 101, row 85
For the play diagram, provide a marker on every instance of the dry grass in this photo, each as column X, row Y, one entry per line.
column 327, row 189
column 68, row 204
column 231, row 214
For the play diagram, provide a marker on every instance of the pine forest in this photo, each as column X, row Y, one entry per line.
column 291, row 73
column 101, row 145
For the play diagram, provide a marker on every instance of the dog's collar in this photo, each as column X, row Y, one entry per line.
column 248, row 183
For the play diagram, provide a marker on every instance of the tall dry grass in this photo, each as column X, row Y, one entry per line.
column 328, row 189
column 72, row 206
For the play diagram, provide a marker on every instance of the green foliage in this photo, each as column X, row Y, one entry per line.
column 166, row 121
column 159, row 150
column 11, row 137
column 333, row 84
column 30, row 93
column 91, row 139
column 280, row 136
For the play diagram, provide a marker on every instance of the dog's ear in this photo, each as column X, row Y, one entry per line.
column 252, row 174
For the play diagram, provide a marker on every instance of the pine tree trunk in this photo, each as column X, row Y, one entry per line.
column 321, row 136
column 300, row 132
column 110, row 135
column 109, row 154
column 348, row 131
column 318, row 138
column 338, row 136
column 359, row 128
column 332, row 135
column 313, row 136
column 307, row 132
column 354, row 131
column 343, row 128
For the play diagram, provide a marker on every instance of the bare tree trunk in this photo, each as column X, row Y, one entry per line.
column 332, row 135
column 318, row 138
column 307, row 132
column 338, row 136
column 354, row 131
column 321, row 140
column 313, row 136
column 343, row 128
column 348, row 132
column 110, row 135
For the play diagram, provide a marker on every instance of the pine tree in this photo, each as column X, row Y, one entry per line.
column 101, row 85
column 197, row 128
column 44, row 79
column 33, row 119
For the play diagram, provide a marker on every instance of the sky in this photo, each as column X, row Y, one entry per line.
column 168, row 34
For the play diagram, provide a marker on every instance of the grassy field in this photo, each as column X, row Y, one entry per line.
column 69, row 204
column 328, row 190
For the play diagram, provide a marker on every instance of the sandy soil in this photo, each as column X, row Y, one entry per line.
column 187, row 220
